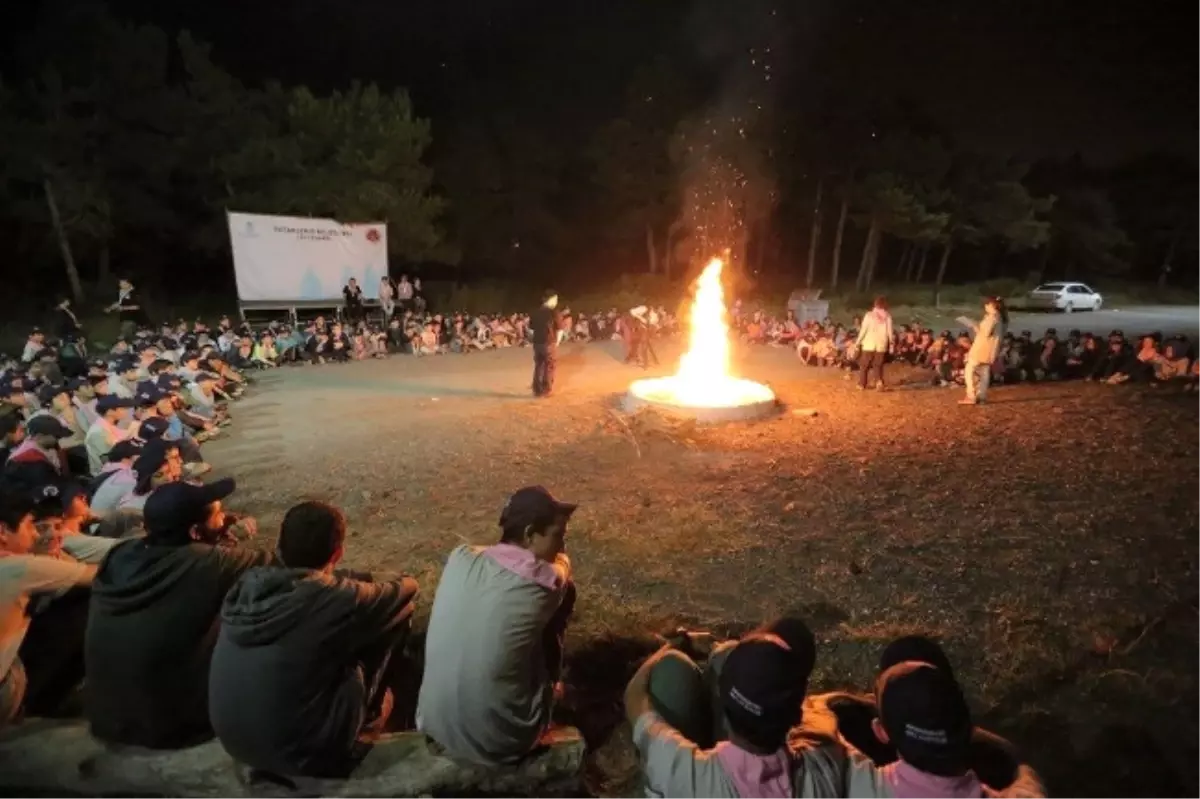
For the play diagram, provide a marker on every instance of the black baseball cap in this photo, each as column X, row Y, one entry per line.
column 127, row 448
column 153, row 428
column 110, row 401
column 533, row 506
column 914, row 647
column 177, row 507
column 763, row 683
column 52, row 499
column 46, row 425
column 926, row 717
column 148, row 397
column 48, row 392
column 152, row 456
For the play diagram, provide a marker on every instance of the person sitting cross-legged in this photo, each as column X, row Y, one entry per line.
column 43, row 610
column 739, row 744
column 303, row 658
column 493, row 651
column 153, row 619
column 915, row 736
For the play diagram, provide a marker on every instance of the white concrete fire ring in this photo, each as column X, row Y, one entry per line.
column 754, row 401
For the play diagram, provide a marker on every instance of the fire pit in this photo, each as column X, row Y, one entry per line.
column 703, row 388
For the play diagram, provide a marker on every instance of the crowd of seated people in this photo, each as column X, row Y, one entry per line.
column 1152, row 358
column 182, row 634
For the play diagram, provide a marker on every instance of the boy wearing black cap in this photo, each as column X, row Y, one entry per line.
column 304, row 655
column 39, row 458
column 156, row 601
column 762, row 682
column 108, row 430
column 493, row 651
column 116, row 479
column 158, row 463
column 39, row 651
column 924, row 726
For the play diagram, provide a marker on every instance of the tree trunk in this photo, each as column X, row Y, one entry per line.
column 941, row 274
column 63, row 244
column 837, row 245
column 921, row 265
column 814, row 236
column 912, row 262
column 1044, row 262
column 872, row 235
column 668, row 259
column 906, row 259
column 651, row 252
column 1168, row 258
column 104, row 267
column 873, row 262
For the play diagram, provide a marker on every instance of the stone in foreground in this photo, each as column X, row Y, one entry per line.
column 56, row 758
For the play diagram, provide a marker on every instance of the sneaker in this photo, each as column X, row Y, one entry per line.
column 968, row 402
column 196, row 469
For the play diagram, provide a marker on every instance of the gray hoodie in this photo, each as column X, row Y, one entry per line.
column 286, row 693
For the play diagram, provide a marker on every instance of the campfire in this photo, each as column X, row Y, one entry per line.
column 703, row 379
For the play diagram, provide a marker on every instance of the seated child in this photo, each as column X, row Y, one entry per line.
column 924, row 741
column 737, row 745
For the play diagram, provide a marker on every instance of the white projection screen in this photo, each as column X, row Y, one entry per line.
column 288, row 259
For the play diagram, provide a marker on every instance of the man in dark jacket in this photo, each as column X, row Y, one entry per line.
column 544, row 324
column 299, row 668
column 153, row 620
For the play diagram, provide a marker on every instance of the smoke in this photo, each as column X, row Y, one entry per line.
column 729, row 153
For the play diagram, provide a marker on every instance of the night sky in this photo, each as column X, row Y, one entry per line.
column 1108, row 80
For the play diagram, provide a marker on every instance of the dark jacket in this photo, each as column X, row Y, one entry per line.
column 151, row 629
column 138, row 315
column 286, row 693
column 544, row 324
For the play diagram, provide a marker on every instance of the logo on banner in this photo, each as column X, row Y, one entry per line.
column 373, row 235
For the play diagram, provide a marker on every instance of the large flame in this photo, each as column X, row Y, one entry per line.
column 704, row 378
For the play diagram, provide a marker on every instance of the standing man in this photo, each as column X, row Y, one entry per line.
column 129, row 309
column 544, row 324
column 874, row 340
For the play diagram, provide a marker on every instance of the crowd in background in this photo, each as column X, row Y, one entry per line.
column 1150, row 358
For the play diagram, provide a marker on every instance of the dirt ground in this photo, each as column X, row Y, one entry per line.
column 1049, row 539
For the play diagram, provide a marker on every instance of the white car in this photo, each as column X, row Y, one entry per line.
column 1066, row 297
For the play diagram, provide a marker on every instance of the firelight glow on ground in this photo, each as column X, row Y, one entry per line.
column 703, row 379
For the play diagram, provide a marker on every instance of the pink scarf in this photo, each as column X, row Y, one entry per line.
column 768, row 776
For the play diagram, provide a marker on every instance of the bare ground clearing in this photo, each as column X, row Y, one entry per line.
column 1049, row 538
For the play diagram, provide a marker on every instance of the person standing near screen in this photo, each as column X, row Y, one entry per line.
column 352, row 293
column 387, row 297
column 404, row 293
column 544, row 324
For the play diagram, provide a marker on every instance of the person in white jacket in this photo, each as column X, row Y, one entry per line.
column 874, row 341
column 989, row 333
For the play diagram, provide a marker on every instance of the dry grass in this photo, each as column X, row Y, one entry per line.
column 1049, row 539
